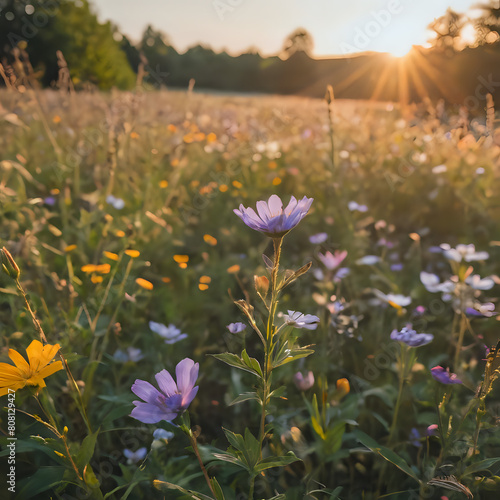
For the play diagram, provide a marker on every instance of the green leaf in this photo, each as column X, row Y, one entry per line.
column 481, row 466
column 334, row 435
column 289, row 355
column 233, row 360
column 386, row 453
column 317, row 427
column 86, row 451
column 192, row 494
column 251, row 363
column 252, row 448
column 278, row 392
column 297, row 274
column 227, row 457
column 42, row 480
column 235, row 440
column 246, row 396
column 219, row 495
column 282, row 461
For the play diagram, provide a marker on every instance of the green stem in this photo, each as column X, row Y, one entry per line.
column 268, row 347
column 461, row 334
column 402, row 378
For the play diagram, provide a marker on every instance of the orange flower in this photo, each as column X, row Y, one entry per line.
column 181, row 259
column 147, row 285
column 132, row 253
column 210, row 239
column 110, row 255
column 233, row 269
column 32, row 373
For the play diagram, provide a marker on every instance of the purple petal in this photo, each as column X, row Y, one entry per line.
column 151, row 414
column 145, row 391
column 166, row 383
column 186, row 372
column 187, row 398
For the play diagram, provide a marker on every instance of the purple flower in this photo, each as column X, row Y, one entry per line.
column 316, row 239
column 273, row 220
column 236, row 327
column 135, row 456
column 411, row 337
column 49, row 200
column 444, row 376
column 341, row 274
column 170, row 333
column 332, row 261
column 414, row 437
column 482, row 310
column 300, row 320
column 172, row 399
column 304, row 383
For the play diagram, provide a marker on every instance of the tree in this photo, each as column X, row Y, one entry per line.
column 91, row 48
column 488, row 25
column 448, row 31
column 299, row 40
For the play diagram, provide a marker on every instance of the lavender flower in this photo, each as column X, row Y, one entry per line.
column 172, row 399
column 482, row 310
column 411, row 337
column 356, row 207
column 316, row 239
column 444, row 376
column 135, row 456
column 170, row 333
column 304, row 383
column 300, row 320
column 273, row 220
column 368, row 260
column 49, row 200
column 332, row 261
column 162, row 434
column 236, row 327
column 116, row 203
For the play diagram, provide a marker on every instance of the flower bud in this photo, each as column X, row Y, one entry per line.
column 329, row 96
column 261, row 285
column 343, row 387
column 9, row 264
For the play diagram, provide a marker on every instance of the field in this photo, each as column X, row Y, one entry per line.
column 118, row 211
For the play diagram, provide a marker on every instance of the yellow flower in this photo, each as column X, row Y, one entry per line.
column 70, row 248
column 32, row 373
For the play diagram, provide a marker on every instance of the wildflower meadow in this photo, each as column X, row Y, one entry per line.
column 236, row 297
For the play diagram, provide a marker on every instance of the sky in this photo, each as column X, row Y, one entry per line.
column 338, row 27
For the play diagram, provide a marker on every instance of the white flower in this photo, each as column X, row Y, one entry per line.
column 398, row 299
column 368, row 260
column 475, row 281
column 300, row 320
column 463, row 252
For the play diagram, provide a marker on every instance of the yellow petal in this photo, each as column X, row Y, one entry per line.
column 19, row 361
column 50, row 369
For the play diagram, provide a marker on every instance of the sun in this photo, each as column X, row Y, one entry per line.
column 400, row 50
